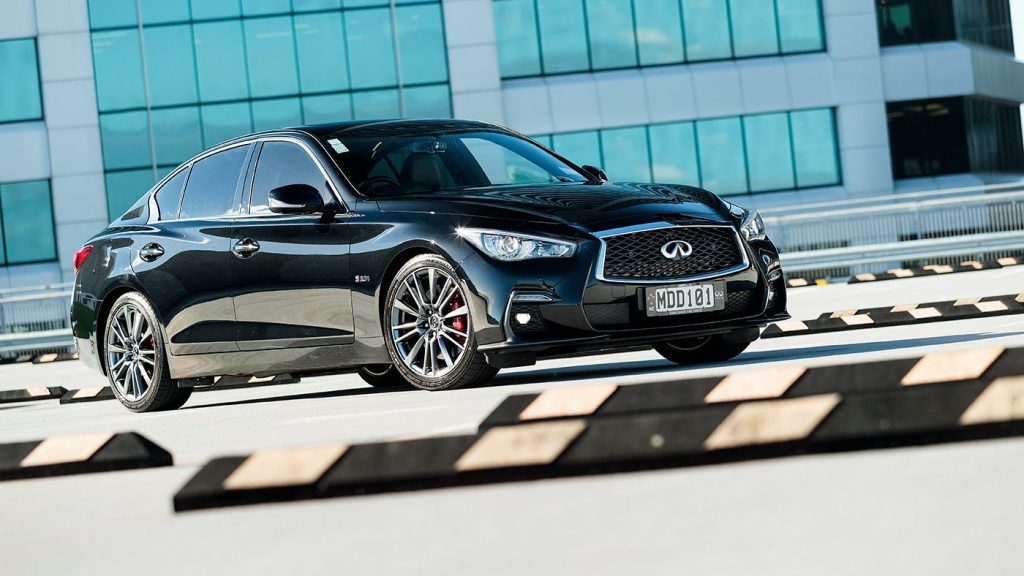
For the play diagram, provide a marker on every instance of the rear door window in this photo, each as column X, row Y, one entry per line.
column 212, row 185
column 282, row 164
column 168, row 197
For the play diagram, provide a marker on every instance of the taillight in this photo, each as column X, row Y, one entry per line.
column 81, row 256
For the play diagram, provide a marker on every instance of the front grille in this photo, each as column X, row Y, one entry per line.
column 637, row 255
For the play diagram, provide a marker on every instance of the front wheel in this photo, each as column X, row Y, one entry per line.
column 428, row 327
column 136, row 359
column 701, row 349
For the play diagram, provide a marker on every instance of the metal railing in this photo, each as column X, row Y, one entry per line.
column 840, row 239
column 35, row 320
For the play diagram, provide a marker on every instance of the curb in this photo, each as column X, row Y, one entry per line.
column 935, row 400
column 902, row 315
column 80, row 454
column 28, row 394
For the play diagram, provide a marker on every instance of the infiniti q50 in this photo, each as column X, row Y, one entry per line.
column 430, row 253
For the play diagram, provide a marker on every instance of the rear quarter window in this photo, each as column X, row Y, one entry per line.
column 213, row 184
column 168, row 197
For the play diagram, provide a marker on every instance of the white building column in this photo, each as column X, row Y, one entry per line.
column 473, row 69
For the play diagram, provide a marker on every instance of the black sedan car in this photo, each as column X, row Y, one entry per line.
column 431, row 253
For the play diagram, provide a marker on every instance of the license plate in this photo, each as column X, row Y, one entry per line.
column 685, row 299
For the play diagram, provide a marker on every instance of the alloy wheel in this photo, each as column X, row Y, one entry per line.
column 430, row 322
column 131, row 352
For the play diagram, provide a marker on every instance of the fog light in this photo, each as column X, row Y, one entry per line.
column 523, row 318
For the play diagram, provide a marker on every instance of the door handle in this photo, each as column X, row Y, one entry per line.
column 151, row 252
column 245, row 247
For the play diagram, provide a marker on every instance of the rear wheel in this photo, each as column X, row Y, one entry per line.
column 429, row 328
column 136, row 360
column 381, row 375
column 701, row 349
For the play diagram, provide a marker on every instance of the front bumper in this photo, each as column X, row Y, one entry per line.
column 585, row 313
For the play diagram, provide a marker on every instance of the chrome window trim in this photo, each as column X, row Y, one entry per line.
column 227, row 146
column 604, row 235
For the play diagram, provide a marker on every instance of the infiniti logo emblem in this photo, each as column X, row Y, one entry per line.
column 676, row 250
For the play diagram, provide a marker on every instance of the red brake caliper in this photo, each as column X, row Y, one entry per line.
column 459, row 322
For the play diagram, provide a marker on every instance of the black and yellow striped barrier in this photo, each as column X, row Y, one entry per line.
column 897, row 273
column 80, row 454
column 766, row 413
column 29, row 394
column 94, row 394
column 904, row 314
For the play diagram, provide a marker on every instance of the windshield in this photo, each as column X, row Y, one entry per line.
column 386, row 164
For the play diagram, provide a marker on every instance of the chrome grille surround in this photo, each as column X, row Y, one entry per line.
column 606, row 234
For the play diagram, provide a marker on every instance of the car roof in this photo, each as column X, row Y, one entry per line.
column 394, row 125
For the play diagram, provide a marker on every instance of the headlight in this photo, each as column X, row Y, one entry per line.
column 752, row 227
column 509, row 247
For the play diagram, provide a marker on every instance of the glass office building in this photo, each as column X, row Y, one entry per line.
column 769, row 102
column 174, row 77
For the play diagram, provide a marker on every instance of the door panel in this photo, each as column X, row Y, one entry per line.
column 295, row 290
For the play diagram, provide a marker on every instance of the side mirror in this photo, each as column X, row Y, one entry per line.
column 595, row 172
column 296, row 199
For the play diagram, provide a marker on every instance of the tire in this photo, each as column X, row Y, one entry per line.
column 142, row 348
column 700, row 350
column 415, row 332
column 381, row 376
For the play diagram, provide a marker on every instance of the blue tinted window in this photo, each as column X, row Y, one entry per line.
column 19, row 81
column 375, row 104
column 721, row 155
column 225, row 121
column 27, row 222
column 309, row 5
column 611, row 30
column 659, row 31
column 814, row 147
column 625, row 153
column 212, row 184
column 579, row 147
column 427, row 102
column 769, row 154
column 177, row 134
column 421, row 44
column 117, row 63
column 369, row 37
column 271, row 56
column 220, row 61
column 125, row 188
column 674, row 154
column 326, row 108
column 800, row 25
column 112, row 13
column 320, row 39
column 171, row 65
column 276, row 113
column 210, row 9
column 263, row 7
column 519, row 49
column 164, row 11
column 707, row 29
column 125, row 137
column 563, row 33
column 753, row 27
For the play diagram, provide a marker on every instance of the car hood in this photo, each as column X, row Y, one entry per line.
column 591, row 207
